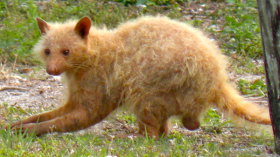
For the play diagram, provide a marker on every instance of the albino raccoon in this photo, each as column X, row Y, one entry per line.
column 154, row 66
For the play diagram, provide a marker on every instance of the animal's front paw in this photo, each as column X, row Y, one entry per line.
column 15, row 125
column 25, row 128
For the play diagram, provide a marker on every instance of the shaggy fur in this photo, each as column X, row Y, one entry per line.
column 153, row 66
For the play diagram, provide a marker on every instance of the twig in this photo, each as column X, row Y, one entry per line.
column 12, row 88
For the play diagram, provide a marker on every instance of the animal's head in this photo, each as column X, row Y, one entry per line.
column 62, row 43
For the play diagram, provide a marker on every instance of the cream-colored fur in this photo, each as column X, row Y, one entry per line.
column 153, row 66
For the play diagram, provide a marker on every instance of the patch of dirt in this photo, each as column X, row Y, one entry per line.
column 30, row 93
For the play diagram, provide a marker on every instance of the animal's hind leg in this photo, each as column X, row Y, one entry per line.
column 163, row 130
column 152, row 119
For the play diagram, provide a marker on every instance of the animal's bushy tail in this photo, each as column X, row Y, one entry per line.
column 230, row 101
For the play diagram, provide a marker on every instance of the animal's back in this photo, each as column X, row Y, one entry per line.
column 161, row 55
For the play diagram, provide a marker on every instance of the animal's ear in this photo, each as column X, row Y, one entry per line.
column 43, row 26
column 83, row 26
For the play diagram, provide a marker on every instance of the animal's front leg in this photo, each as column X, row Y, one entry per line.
column 83, row 110
column 78, row 119
column 45, row 116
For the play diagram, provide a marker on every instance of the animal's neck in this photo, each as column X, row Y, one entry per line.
column 103, row 41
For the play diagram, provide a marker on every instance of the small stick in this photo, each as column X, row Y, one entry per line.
column 13, row 88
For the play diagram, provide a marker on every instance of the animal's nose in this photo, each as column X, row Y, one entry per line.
column 52, row 70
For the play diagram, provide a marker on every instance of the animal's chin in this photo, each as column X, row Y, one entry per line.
column 55, row 73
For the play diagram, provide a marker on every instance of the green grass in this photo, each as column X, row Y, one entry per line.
column 207, row 143
column 255, row 88
column 234, row 26
column 19, row 31
column 217, row 137
column 238, row 23
column 241, row 31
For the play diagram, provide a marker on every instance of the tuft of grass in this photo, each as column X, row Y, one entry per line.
column 255, row 88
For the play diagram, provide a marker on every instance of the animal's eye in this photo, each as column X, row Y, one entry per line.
column 65, row 52
column 47, row 52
